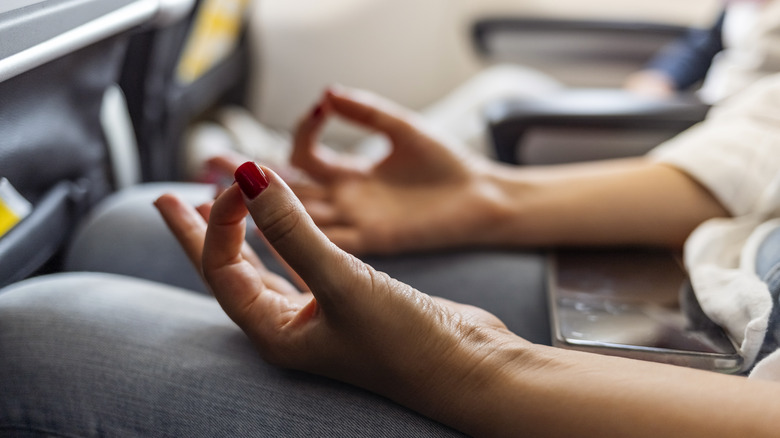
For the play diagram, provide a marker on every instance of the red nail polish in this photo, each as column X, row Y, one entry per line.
column 317, row 112
column 251, row 179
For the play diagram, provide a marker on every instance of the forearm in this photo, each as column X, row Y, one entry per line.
column 544, row 391
column 632, row 201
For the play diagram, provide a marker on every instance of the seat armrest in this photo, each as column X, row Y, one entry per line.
column 485, row 31
column 511, row 120
column 578, row 53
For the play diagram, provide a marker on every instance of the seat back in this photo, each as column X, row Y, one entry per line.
column 579, row 53
column 57, row 58
column 586, row 124
column 176, row 71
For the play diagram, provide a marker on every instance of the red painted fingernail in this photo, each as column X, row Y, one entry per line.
column 317, row 112
column 251, row 179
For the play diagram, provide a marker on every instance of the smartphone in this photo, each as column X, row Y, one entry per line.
column 636, row 303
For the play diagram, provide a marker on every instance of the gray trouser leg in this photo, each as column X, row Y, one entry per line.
column 509, row 284
column 104, row 355
column 127, row 236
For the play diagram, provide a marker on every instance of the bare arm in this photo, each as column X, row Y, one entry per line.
column 541, row 391
column 428, row 195
column 454, row 363
column 629, row 201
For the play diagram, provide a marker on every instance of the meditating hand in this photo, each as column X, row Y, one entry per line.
column 427, row 194
column 356, row 325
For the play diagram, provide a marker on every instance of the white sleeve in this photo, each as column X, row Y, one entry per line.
column 735, row 152
column 768, row 368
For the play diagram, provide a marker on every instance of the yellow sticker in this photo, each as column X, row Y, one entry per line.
column 13, row 207
column 213, row 36
column 7, row 218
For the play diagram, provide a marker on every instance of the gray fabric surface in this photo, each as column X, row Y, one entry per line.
column 126, row 236
column 102, row 355
column 85, row 354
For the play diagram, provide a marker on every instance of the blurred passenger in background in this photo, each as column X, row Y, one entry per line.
column 742, row 46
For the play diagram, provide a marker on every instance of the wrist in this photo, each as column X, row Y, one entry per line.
column 484, row 384
column 498, row 198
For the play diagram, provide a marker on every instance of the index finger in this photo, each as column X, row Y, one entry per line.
column 322, row 164
column 235, row 282
column 186, row 224
column 371, row 111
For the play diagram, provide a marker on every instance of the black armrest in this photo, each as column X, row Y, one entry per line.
column 536, row 29
column 510, row 120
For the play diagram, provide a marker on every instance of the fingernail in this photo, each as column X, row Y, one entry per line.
column 317, row 112
column 251, row 179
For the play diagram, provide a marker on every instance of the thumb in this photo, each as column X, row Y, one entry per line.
column 280, row 216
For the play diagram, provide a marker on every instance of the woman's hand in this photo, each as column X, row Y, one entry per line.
column 357, row 325
column 454, row 363
column 650, row 83
column 428, row 195
column 423, row 195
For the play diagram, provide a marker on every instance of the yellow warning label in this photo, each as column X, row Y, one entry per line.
column 13, row 207
column 7, row 218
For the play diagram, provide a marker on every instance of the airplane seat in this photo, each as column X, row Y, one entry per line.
column 178, row 69
column 57, row 59
column 586, row 124
column 70, row 71
column 175, row 73
column 594, row 118
column 409, row 51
